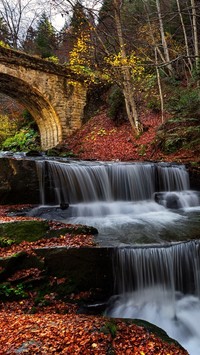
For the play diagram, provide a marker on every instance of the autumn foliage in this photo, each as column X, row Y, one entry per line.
column 77, row 334
column 101, row 139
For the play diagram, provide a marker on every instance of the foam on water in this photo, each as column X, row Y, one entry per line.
column 123, row 222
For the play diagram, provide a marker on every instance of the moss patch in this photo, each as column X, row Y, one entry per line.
column 23, row 230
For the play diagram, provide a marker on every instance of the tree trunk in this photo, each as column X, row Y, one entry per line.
column 159, row 86
column 184, row 34
column 195, row 34
column 156, row 52
column 163, row 39
column 128, row 90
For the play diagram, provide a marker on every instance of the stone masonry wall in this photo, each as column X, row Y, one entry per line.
column 53, row 94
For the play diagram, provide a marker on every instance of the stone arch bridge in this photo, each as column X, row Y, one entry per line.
column 51, row 92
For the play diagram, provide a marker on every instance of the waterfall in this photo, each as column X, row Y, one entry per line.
column 149, row 212
column 171, row 267
column 80, row 181
column 40, row 167
column 160, row 285
column 129, row 203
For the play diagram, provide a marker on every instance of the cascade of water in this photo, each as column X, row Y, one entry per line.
column 174, row 267
column 159, row 284
column 127, row 202
column 162, row 286
column 174, row 178
column 77, row 181
column 40, row 167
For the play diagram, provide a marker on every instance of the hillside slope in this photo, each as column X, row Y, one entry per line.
column 101, row 139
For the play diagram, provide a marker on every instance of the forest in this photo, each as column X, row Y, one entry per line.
column 141, row 62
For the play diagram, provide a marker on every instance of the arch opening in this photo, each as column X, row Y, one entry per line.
column 41, row 110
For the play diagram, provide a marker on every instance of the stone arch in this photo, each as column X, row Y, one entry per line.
column 40, row 108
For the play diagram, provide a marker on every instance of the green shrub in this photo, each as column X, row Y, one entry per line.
column 53, row 59
column 4, row 45
column 12, row 292
column 23, row 140
column 185, row 103
column 6, row 242
column 154, row 105
column 8, row 127
column 110, row 327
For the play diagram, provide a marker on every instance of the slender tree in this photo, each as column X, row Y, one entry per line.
column 163, row 38
column 184, row 35
column 195, row 34
column 126, row 74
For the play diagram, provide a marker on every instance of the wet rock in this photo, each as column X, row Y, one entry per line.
column 168, row 200
column 87, row 268
column 18, row 181
column 34, row 153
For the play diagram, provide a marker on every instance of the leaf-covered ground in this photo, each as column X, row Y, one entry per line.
column 68, row 239
column 49, row 333
column 101, row 139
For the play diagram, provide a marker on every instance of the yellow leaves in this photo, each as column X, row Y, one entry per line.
column 102, row 132
column 81, row 59
column 8, row 127
column 4, row 45
column 79, row 54
column 53, row 59
column 74, row 83
column 117, row 62
column 96, row 133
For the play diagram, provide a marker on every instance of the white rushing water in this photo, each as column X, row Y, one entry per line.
column 137, row 205
column 120, row 199
column 161, row 286
column 76, row 182
column 179, row 317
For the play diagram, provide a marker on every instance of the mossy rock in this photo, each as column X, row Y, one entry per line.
column 19, row 231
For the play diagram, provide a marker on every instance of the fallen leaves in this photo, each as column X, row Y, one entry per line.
column 76, row 334
column 72, row 239
column 101, row 139
column 67, row 240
